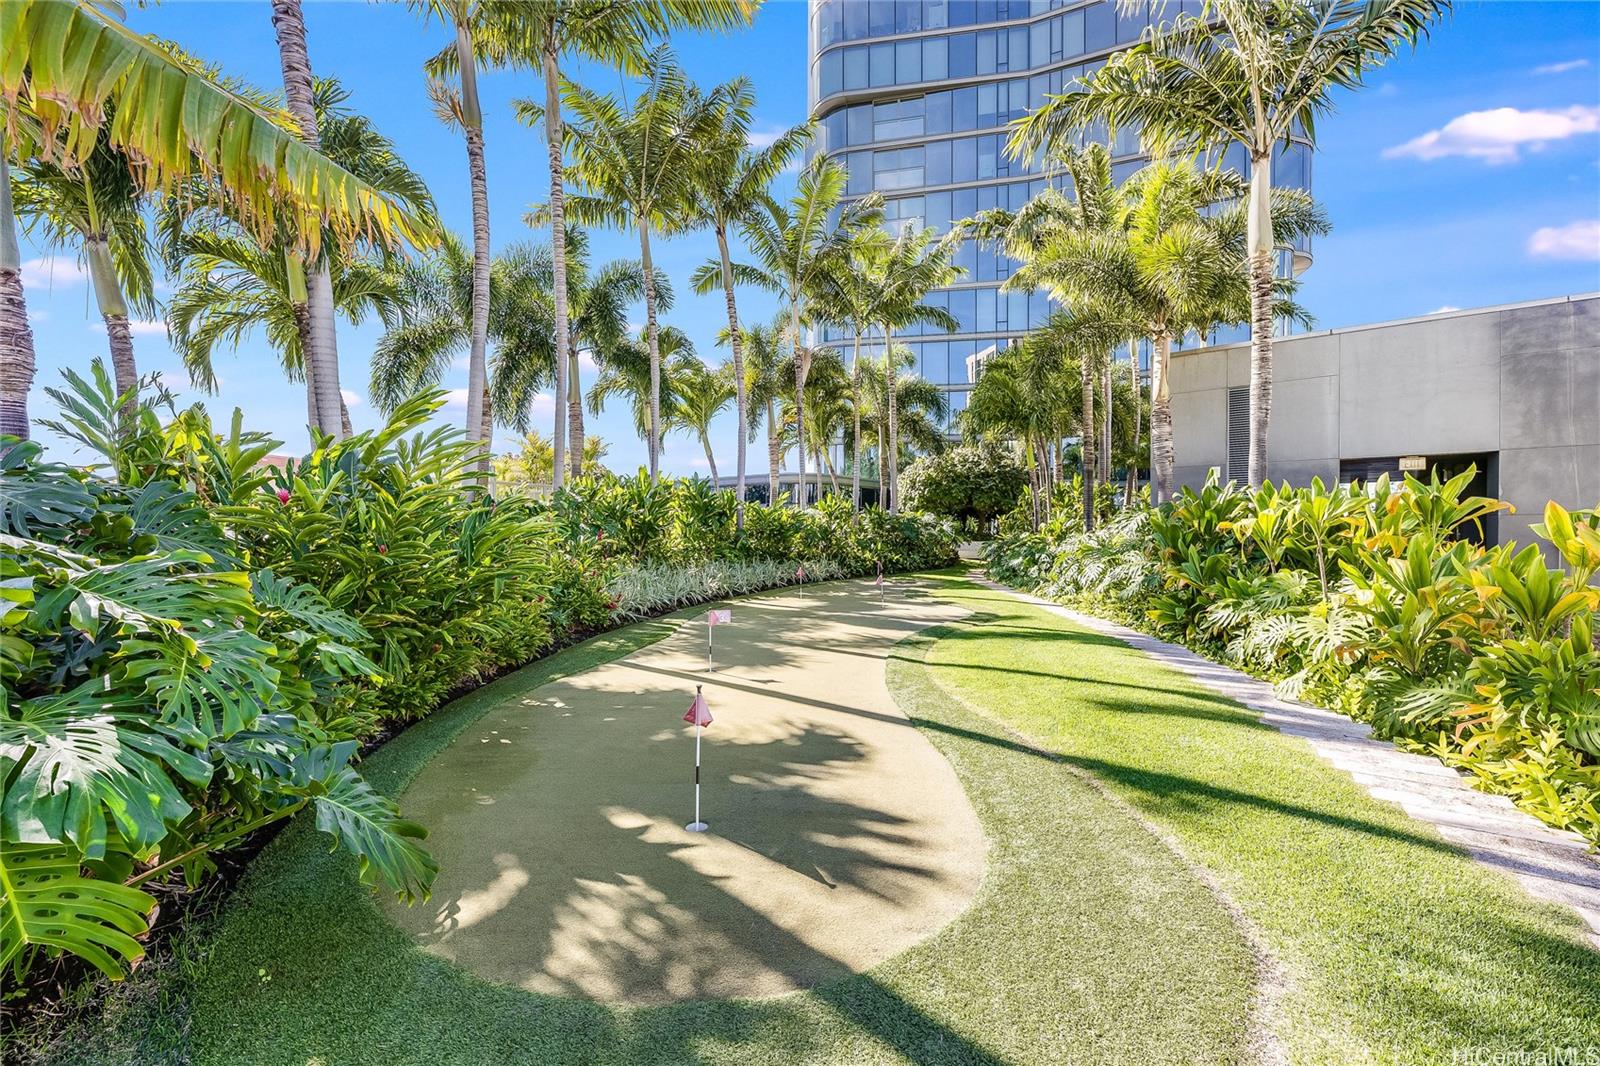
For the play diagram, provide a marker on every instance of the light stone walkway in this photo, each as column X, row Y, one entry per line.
column 839, row 836
column 1551, row 864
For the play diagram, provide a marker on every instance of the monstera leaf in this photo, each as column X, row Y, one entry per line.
column 78, row 760
column 46, row 902
column 35, row 495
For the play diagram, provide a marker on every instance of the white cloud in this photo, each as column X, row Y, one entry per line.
column 544, row 403
column 456, row 398
column 352, row 399
column 1575, row 240
column 139, row 327
column 1446, row 309
column 1561, row 68
column 50, row 270
column 1498, row 135
column 765, row 137
column 38, row 316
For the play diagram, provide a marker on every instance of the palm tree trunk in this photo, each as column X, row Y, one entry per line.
column 322, row 357
column 892, row 402
column 800, row 369
column 711, row 460
column 16, row 336
column 855, row 422
column 575, row 428
column 1105, row 421
column 741, row 402
column 882, row 477
column 114, row 313
column 653, row 342
column 774, row 452
column 1259, row 236
column 558, row 249
column 1138, row 423
column 1086, row 446
column 480, row 430
column 1161, row 457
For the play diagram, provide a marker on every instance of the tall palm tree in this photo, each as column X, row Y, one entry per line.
column 914, row 265
column 848, row 297
column 97, row 207
column 180, row 121
column 597, row 320
column 767, row 374
column 702, row 393
column 542, row 33
column 794, row 245
column 322, row 354
column 728, row 182
column 460, row 109
column 828, row 410
column 1247, row 72
column 632, row 162
column 231, row 281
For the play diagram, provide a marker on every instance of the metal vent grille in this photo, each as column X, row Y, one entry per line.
column 1239, row 433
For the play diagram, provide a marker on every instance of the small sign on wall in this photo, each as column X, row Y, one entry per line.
column 1411, row 464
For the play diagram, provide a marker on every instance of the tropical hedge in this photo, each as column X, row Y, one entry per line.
column 1378, row 601
column 196, row 643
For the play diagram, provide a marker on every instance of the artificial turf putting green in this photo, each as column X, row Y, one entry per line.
column 1088, row 942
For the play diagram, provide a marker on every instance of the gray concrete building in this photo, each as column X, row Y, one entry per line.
column 1513, row 390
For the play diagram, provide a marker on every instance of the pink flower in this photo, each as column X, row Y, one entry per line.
column 383, row 549
column 283, row 495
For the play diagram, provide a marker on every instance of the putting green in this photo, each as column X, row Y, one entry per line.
column 839, row 836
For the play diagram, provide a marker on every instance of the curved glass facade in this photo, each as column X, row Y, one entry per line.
column 913, row 97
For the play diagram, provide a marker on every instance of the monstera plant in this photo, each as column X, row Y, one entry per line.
column 160, row 699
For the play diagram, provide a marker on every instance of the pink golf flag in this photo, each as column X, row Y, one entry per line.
column 699, row 712
column 879, row 581
column 719, row 617
column 800, row 573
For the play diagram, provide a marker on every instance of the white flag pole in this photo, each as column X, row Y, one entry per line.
column 696, row 826
column 709, row 668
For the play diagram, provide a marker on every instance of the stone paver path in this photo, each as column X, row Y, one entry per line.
column 1550, row 863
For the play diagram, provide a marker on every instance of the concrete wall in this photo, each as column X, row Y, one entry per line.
column 1521, row 382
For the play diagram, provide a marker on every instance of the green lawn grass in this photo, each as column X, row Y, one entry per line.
column 1400, row 948
column 1089, row 942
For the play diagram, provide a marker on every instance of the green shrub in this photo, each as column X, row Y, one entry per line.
column 972, row 482
column 1370, row 601
column 163, row 696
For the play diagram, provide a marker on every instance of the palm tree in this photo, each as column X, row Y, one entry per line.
column 98, row 207
column 794, row 246
column 230, row 281
column 230, row 286
column 540, row 34
column 632, row 162
column 767, row 374
column 701, row 394
column 432, row 324
column 180, row 122
column 322, row 351
column 460, row 109
column 727, row 185
column 1025, row 394
column 849, row 297
column 918, row 407
column 631, row 373
column 1247, row 72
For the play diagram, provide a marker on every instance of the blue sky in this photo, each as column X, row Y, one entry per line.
column 1463, row 175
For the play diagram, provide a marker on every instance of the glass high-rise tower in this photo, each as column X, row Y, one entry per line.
column 913, row 96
